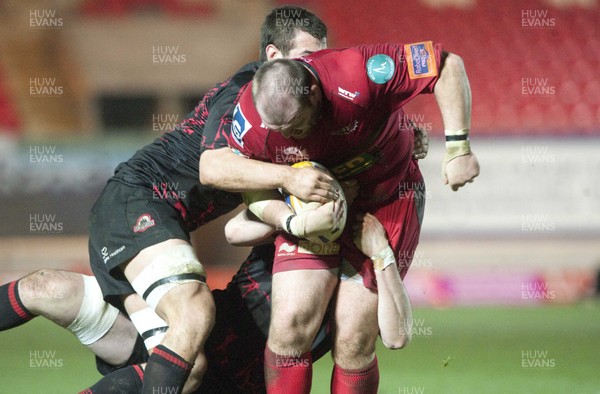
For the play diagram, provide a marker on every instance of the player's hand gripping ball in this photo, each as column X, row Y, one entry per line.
column 300, row 207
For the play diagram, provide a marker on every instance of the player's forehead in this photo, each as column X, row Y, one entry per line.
column 304, row 44
column 290, row 119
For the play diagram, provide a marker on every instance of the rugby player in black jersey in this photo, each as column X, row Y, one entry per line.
column 139, row 227
column 154, row 196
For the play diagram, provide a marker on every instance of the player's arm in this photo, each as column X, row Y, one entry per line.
column 394, row 313
column 268, row 206
column 245, row 229
column 226, row 170
column 453, row 95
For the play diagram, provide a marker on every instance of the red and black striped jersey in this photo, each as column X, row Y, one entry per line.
column 169, row 166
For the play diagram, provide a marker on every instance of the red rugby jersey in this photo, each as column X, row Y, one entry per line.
column 362, row 132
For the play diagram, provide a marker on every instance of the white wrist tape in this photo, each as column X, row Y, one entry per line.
column 457, row 144
column 256, row 201
column 295, row 225
column 383, row 259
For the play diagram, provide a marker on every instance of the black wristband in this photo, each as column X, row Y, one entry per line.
column 463, row 137
column 288, row 222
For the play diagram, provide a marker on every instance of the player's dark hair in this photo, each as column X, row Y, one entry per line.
column 281, row 25
column 279, row 79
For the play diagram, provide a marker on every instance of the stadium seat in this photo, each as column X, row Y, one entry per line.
column 499, row 50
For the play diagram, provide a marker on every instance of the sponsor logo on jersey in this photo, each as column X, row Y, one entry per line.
column 350, row 128
column 380, row 68
column 107, row 256
column 354, row 166
column 239, row 125
column 347, row 94
column 308, row 247
column 286, row 249
column 143, row 223
column 420, row 59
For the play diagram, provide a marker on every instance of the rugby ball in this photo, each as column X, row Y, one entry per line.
column 298, row 205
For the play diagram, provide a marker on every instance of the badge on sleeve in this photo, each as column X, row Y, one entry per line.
column 380, row 68
column 239, row 125
column 420, row 59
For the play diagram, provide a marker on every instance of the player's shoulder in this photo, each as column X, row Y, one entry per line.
column 234, row 84
column 245, row 74
column 246, row 118
column 342, row 74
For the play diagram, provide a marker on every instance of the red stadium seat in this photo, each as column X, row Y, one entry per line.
column 500, row 50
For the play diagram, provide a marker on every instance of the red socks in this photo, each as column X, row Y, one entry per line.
column 364, row 381
column 288, row 374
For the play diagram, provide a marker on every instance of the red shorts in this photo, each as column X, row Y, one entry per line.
column 401, row 218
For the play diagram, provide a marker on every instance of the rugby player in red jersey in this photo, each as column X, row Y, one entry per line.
column 333, row 107
column 112, row 336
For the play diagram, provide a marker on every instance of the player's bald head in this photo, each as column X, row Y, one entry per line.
column 281, row 90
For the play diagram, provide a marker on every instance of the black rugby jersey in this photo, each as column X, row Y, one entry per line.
column 169, row 165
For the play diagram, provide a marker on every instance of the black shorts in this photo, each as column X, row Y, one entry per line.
column 124, row 221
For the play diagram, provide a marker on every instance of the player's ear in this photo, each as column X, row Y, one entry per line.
column 272, row 52
column 315, row 94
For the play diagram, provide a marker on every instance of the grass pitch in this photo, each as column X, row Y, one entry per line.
column 550, row 349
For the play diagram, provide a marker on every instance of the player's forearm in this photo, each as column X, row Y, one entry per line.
column 268, row 206
column 245, row 229
column 453, row 94
column 394, row 311
column 223, row 169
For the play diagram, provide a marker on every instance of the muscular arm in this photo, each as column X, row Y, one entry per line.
column 453, row 94
column 223, row 169
column 394, row 313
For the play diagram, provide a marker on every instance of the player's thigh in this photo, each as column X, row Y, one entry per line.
column 355, row 319
column 172, row 281
column 147, row 256
column 301, row 296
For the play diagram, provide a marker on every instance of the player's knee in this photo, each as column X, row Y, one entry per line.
column 293, row 328
column 351, row 355
column 353, row 346
column 49, row 286
column 190, row 308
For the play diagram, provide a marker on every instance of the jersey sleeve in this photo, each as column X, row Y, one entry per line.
column 397, row 73
column 247, row 138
